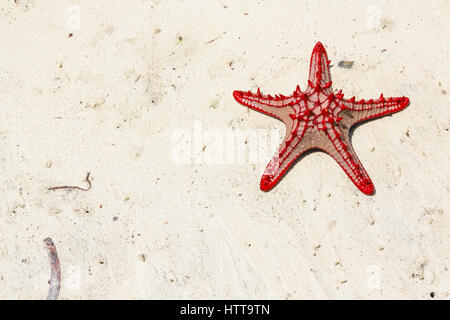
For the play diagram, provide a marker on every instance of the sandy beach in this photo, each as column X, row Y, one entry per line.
column 139, row 94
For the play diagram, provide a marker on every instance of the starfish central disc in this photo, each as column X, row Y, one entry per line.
column 318, row 118
column 316, row 112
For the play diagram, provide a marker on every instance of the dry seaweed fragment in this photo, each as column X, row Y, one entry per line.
column 55, row 267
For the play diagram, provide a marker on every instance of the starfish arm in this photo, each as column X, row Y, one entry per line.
column 338, row 146
column 319, row 70
column 358, row 111
column 266, row 104
column 295, row 143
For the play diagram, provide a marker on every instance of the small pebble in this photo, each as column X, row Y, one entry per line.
column 345, row 64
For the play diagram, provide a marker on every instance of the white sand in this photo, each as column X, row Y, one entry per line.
column 108, row 100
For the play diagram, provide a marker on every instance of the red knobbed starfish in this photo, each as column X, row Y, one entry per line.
column 318, row 119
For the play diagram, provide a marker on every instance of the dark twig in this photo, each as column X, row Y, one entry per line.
column 211, row 41
column 75, row 187
column 55, row 267
column 216, row 38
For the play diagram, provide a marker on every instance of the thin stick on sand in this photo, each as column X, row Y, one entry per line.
column 75, row 187
column 55, row 278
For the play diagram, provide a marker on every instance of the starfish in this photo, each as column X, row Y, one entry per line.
column 320, row 119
